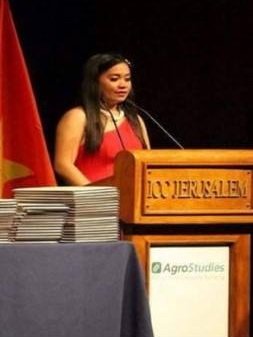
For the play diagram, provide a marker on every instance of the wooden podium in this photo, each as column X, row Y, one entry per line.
column 191, row 198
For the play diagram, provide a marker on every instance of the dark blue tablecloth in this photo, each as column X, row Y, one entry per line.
column 72, row 290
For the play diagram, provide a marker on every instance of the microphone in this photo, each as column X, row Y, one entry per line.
column 156, row 122
column 117, row 130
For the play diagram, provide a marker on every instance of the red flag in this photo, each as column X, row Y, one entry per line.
column 24, row 159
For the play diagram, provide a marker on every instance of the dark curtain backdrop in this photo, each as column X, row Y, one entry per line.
column 192, row 62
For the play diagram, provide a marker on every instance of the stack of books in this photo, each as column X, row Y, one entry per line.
column 38, row 221
column 7, row 213
column 92, row 214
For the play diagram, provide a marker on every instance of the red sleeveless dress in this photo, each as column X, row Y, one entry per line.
column 99, row 165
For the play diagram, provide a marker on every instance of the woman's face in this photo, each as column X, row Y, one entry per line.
column 115, row 84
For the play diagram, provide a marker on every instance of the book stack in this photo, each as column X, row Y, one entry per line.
column 92, row 214
column 38, row 221
column 7, row 213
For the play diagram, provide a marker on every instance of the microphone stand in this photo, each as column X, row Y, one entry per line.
column 157, row 123
column 116, row 128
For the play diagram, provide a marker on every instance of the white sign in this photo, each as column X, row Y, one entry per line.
column 189, row 291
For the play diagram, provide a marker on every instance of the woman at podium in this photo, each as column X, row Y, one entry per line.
column 89, row 136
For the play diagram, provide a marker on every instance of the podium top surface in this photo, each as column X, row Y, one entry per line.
column 189, row 156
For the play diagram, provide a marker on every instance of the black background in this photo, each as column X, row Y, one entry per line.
column 192, row 62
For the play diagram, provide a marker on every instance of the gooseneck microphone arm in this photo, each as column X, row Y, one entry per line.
column 116, row 128
column 156, row 122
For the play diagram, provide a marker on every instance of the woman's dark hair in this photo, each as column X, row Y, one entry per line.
column 90, row 100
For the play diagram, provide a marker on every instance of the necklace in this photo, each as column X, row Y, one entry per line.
column 120, row 116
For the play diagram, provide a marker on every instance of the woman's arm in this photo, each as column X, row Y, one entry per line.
column 144, row 132
column 69, row 137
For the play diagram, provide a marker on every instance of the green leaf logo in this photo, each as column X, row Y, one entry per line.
column 156, row 267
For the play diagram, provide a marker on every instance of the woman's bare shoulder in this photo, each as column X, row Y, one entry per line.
column 76, row 112
column 140, row 120
column 74, row 116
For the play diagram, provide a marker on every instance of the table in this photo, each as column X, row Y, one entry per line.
column 72, row 290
